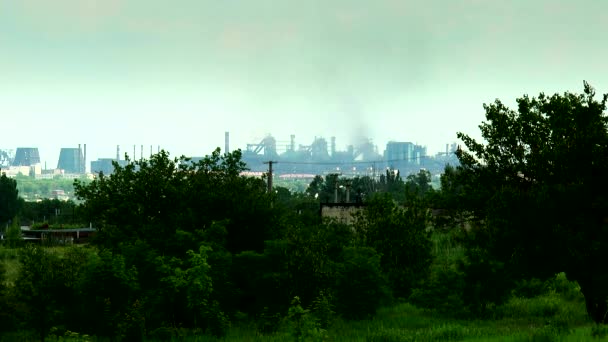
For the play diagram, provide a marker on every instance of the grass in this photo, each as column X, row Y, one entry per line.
column 545, row 318
column 9, row 258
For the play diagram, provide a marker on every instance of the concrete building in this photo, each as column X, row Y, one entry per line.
column 71, row 160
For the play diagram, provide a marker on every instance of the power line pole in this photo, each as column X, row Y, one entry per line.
column 270, row 162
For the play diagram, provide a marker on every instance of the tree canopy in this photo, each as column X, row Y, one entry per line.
column 9, row 200
column 538, row 189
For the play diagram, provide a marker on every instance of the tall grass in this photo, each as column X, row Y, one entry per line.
column 9, row 258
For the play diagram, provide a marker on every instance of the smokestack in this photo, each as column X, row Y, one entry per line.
column 292, row 145
column 158, row 151
column 333, row 146
column 226, row 142
column 84, row 159
column 117, row 152
column 336, row 192
column 150, row 150
column 79, row 167
column 141, row 152
column 447, row 149
column 134, row 147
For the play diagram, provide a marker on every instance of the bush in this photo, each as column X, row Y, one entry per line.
column 217, row 321
column 322, row 309
column 550, row 308
column 487, row 282
column 360, row 285
column 13, row 236
column 538, row 307
column 599, row 331
column 162, row 334
column 529, row 288
column 442, row 291
column 570, row 290
column 8, row 253
column 268, row 323
column 302, row 325
column 552, row 331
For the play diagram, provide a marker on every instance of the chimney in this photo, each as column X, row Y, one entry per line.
column 117, row 152
column 348, row 192
column 141, row 152
column 79, row 159
column 226, row 142
column 333, row 146
column 84, row 160
column 336, row 192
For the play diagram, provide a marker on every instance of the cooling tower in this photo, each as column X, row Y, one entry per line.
column 26, row 156
column 71, row 160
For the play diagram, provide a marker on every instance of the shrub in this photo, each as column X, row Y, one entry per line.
column 162, row 334
column 538, row 307
column 487, row 281
column 570, row 290
column 8, row 253
column 529, row 288
column 360, row 285
column 268, row 322
column 217, row 321
column 441, row 291
column 13, row 235
column 322, row 309
column 599, row 331
column 548, row 333
column 302, row 325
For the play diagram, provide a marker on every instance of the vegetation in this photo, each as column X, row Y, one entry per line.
column 538, row 194
column 9, row 200
column 32, row 189
column 509, row 247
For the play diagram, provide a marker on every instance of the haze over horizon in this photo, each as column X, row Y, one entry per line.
column 134, row 72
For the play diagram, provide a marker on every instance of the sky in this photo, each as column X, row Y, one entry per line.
column 178, row 74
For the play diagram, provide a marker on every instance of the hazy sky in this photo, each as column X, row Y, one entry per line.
column 179, row 73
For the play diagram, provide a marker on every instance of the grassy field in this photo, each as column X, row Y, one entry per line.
column 405, row 322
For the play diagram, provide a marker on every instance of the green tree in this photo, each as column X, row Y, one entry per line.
column 155, row 212
column 13, row 236
column 109, row 288
column 38, row 286
column 539, row 190
column 401, row 237
column 392, row 183
column 360, row 285
column 9, row 200
column 419, row 184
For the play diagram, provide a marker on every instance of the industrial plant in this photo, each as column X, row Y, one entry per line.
column 290, row 158
column 364, row 158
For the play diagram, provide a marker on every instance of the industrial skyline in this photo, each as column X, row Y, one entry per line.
column 180, row 75
column 320, row 156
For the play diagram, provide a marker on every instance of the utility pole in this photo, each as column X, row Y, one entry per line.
column 270, row 162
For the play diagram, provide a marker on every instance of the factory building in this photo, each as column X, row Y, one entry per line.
column 72, row 160
column 26, row 156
